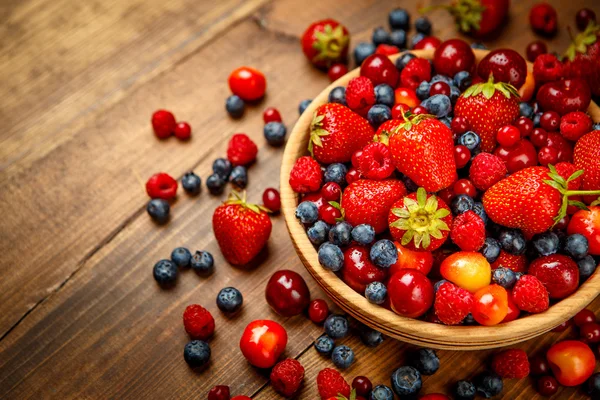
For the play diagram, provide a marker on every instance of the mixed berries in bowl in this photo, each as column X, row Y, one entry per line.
column 437, row 199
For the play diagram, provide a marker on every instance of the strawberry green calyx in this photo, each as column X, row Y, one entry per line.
column 338, row 206
column 561, row 184
column 467, row 13
column 352, row 396
column 490, row 87
column 421, row 219
column 240, row 199
column 411, row 120
column 330, row 43
column 316, row 133
column 583, row 40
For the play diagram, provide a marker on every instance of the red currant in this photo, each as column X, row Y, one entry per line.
column 163, row 123
column 355, row 158
column 183, row 131
column 271, row 199
column 539, row 137
column 446, row 195
column 363, row 385
column 564, row 147
column 419, row 110
column 534, row 49
column 399, row 110
column 550, row 121
column 508, row 136
column 248, row 83
column 271, row 114
column 547, row 386
column 462, row 155
column 547, row 155
column 336, row 71
column 329, row 214
column 439, row 87
column 219, row 393
column 464, row 186
column 590, row 332
column 521, row 156
column 459, row 125
column 583, row 317
column 352, row 175
column 524, row 125
column 538, row 365
column 161, row 186
column 584, row 17
column 331, row 191
column 318, row 310
column 562, row 224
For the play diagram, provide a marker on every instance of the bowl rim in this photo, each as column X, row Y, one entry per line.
column 386, row 321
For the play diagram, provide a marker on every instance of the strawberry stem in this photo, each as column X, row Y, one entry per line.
column 240, row 199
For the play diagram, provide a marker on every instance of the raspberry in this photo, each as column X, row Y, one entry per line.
column 529, row 294
column 510, row 261
column 547, row 68
column 360, row 94
column 286, row 377
column 468, row 231
column 452, row 303
column 241, row 150
column 566, row 169
column 331, row 384
column 161, row 186
column 198, row 322
column 306, row 175
column 163, row 123
column 416, row 71
column 387, row 49
column 511, row 364
column 574, row 125
column 375, row 162
column 486, row 170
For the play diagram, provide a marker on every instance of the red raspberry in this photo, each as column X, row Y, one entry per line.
column 331, row 384
column 547, row 68
column 511, row 364
column 416, row 71
column 375, row 161
column 452, row 303
column 566, row 169
column 241, row 150
column 360, row 94
column 161, row 186
column 468, row 231
column 287, row 376
column 486, row 170
column 163, row 123
column 219, row 393
column 510, row 261
column 529, row 294
column 306, row 175
column 198, row 322
column 574, row 125
column 183, row 131
column 387, row 49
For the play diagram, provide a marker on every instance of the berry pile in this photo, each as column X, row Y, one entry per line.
column 166, row 272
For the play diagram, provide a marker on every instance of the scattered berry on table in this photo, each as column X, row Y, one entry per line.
column 584, row 17
column 511, row 364
column 287, row 376
column 383, row 253
column 219, row 392
column 198, row 322
column 380, row 36
column 163, row 123
column 336, row 71
column 196, row 353
column 241, row 150
column 306, row 175
column 183, row 131
column 235, row 106
column 287, row 293
column 324, row 344
column 468, row 231
column 275, row 133
column 504, row 277
column 406, row 381
column 336, row 326
column 159, row 210
column 263, row 342
column 425, row 360
column 529, row 294
column 488, row 384
column 547, row 386
column 181, row 257
column 593, row 385
column 538, row 365
column 376, row 292
column 362, row 385
column 307, row 212
column 342, row 356
column 202, row 262
column 239, row 176
column 248, row 83
column 332, row 384
column 590, row 333
column 363, row 234
column 399, row 18
column 331, row 257
column 318, row 311
column 381, row 392
column 465, row 390
column 271, row 199
column 318, row 233
column 452, row 303
column 165, row 272
column 325, row 42
column 423, row 25
column 340, row 234
column 338, row 95
column 191, row 183
column 370, row 337
column 303, row 105
column 161, row 186
column 222, row 167
column 215, row 184
column 271, row 114
column 362, row 51
column 543, row 19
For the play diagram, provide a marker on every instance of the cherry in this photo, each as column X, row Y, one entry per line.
column 287, row 293
column 459, row 125
column 352, row 175
column 387, row 49
column 562, row 224
column 419, row 110
column 379, row 69
column 262, row 342
column 534, row 49
column 524, row 125
column 508, row 135
column 490, row 305
column 407, row 258
column 513, row 311
column 410, row 293
column 564, row 96
column 453, row 56
column 547, row 386
column 506, row 65
column 427, row 43
column 318, row 310
column 543, row 19
column 464, row 186
column 558, row 273
column 183, row 131
column 538, row 137
column 163, row 123
column 399, row 110
column 584, row 17
column 590, row 332
column 359, row 271
column 550, row 121
column 439, row 87
column 462, row 155
column 219, row 393
column 523, row 155
column 565, row 149
column 336, row 71
column 406, row 96
column 446, row 195
column 469, row 270
column 316, row 198
column 331, row 191
column 503, row 153
column 356, row 158
column 248, row 83
column 363, row 386
column 563, row 327
column 572, row 362
column 271, row 199
column 539, row 366
column 271, row 114
column 547, row 155
column 583, row 317
column 329, row 214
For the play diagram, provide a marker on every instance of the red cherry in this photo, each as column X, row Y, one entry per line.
column 410, row 293
column 572, row 362
column 439, row 87
column 271, row 199
column 524, row 125
column 419, row 110
column 163, row 123
column 538, row 137
column 379, row 69
column 355, row 158
column 331, row 191
column 422, row 261
column 427, row 43
column 271, row 114
column 586, row 223
column 539, row 366
column 399, row 110
column 558, row 273
column 550, row 121
column 505, row 65
column 508, row 136
column 219, row 393
column 547, row 386
column 453, row 56
column 534, row 49
column 590, row 333
column 464, row 186
column 547, row 155
column 287, row 293
column 523, row 155
column 329, row 214
column 562, row 224
column 513, row 311
column 564, row 96
column 316, row 198
column 318, row 310
column 543, row 19
column 446, row 195
column 565, row 149
column 406, row 96
column 336, row 71
column 352, row 175
column 359, row 271
column 583, row 317
column 503, row 153
column 462, row 155
column 263, row 342
column 363, row 385
column 563, row 327
column 584, row 17
column 459, row 125
column 183, row 131
column 248, row 83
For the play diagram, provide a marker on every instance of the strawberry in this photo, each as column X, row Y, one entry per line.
column 583, row 58
column 325, row 43
column 368, row 201
column 452, row 303
column 336, row 133
column 422, row 149
column 420, row 221
column 476, row 102
column 511, row 364
column 476, row 17
column 242, row 229
column 332, row 384
column 585, row 157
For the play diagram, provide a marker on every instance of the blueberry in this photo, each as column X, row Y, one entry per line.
column 378, row 114
column 398, row 38
column 438, row 105
column 399, row 18
column 376, row 292
column 324, row 344
column 317, row 234
column 159, row 210
column 423, row 25
column 576, row 246
column 215, row 184
column 470, row 140
column 423, row 90
column 275, row 133
column 596, row 126
column 478, row 45
column 362, row 51
column 336, row 326
column 469, row 320
column 331, row 257
column 463, row 80
column 381, row 392
column 464, row 390
column 546, row 243
column 222, row 167
column 235, row 106
column 479, row 210
column 307, row 212
column 410, row 185
column 165, row 272
column 338, row 95
column 437, row 285
column 416, row 38
column 336, row 172
column 303, row 105
column 512, row 241
column 380, row 36
column 239, row 176
column 426, row 361
column 191, row 183
column 406, row 381
column 518, row 275
column 461, row 204
column 454, row 94
column 446, row 121
column 229, row 300
column 202, row 262
column 196, row 353
column 342, row 357
column 488, row 384
column 181, row 257
column 363, row 234
column 504, row 277
column 526, row 109
column 442, row 78
column 384, row 94
column 384, row 253
column 592, row 386
column 536, row 119
column 403, row 60
column 340, row 234
column 370, row 337
column 587, row 266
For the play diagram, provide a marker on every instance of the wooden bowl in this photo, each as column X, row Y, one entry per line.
column 387, row 322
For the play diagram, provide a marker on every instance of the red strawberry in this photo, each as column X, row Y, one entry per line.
column 422, row 149
column 476, row 17
column 336, row 133
column 332, row 384
column 583, row 58
column 452, row 303
column 517, row 263
column 325, row 42
column 475, row 104
column 420, row 221
column 242, row 229
column 368, row 201
column 511, row 364
column 585, row 157
column 529, row 294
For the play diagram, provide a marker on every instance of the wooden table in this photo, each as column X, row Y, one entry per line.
column 80, row 314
